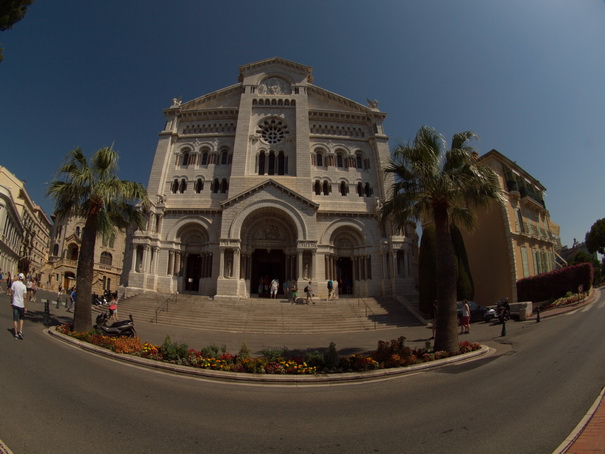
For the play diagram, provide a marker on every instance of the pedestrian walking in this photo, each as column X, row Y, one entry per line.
column 18, row 292
column 286, row 288
column 113, row 307
column 294, row 292
column 309, row 292
column 330, row 288
column 465, row 320
column 71, row 299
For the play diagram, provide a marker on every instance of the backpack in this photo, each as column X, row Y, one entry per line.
column 306, row 289
column 330, row 285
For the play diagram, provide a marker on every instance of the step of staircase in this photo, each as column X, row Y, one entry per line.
column 269, row 316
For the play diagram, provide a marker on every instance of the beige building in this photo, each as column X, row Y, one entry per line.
column 512, row 241
column 66, row 242
column 269, row 178
column 34, row 229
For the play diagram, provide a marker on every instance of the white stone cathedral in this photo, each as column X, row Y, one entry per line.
column 271, row 178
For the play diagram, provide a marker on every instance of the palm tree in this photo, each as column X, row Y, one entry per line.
column 433, row 184
column 92, row 191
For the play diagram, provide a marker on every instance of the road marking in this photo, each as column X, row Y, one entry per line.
column 602, row 304
column 587, row 308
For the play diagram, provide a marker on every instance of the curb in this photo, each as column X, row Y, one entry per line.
column 575, row 434
column 4, row 449
column 239, row 377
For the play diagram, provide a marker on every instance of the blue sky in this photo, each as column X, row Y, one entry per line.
column 528, row 76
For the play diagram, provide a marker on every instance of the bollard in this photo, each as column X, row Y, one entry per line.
column 58, row 302
column 46, row 312
column 538, row 315
column 503, row 333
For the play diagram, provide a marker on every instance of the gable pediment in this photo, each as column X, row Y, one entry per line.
column 269, row 185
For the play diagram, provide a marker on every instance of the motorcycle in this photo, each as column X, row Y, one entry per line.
column 501, row 311
column 121, row 328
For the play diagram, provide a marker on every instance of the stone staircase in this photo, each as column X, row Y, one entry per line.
column 268, row 316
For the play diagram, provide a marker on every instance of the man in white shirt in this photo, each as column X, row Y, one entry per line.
column 18, row 292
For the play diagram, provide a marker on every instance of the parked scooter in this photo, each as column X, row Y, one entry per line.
column 121, row 328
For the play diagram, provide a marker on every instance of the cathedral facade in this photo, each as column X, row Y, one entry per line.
column 271, row 178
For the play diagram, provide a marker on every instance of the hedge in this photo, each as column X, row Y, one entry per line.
column 555, row 284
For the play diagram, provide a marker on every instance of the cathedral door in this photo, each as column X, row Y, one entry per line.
column 344, row 274
column 267, row 266
column 193, row 273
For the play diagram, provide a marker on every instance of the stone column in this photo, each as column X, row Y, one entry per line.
column 236, row 263
column 221, row 262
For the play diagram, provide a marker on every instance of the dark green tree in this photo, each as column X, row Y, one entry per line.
column 91, row 190
column 11, row 12
column 465, row 288
column 439, row 185
column 595, row 238
column 427, row 259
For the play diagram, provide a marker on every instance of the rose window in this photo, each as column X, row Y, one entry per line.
column 272, row 131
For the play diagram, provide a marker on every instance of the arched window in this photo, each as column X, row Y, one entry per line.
column 185, row 158
column 224, row 157
column 360, row 189
column 339, row 160
column 224, row 186
column 319, row 159
column 359, row 161
column 344, row 189
column 317, row 188
column 106, row 258
column 183, row 186
column 368, row 190
column 281, row 163
column 261, row 163
column 56, row 250
column 78, row 231
column 72, row 252
column 271, row 163
column 175, row 186
column 215, row 186
column 205, row 158
column 326, row 188
column 112, row 240
column 199, row 186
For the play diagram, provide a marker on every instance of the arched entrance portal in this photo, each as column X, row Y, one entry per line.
column 269, row 248
column 266, row 266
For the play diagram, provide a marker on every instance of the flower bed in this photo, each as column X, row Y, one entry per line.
column 569, row 299
column 388, row 354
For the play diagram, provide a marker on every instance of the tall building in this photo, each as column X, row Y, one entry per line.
column 514, row 240
column 272, row 177
column 65, row 251
column 33, row 232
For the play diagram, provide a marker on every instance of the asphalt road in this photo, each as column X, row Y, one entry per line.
column 527, row 398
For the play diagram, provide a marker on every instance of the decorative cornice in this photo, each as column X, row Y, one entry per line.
column 261, row 187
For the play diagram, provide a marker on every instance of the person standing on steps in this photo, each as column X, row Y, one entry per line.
column 294, row 292
column 18, row 292
column 330, row 289
column 274, row 288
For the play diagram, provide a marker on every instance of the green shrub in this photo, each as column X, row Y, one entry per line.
column 174, row 352
column 315, row 358
column 210, row 351
column 331, row 357
column 274, row 353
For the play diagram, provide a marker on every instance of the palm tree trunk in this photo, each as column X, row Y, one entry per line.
column 446, row 333
column 86, row 261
